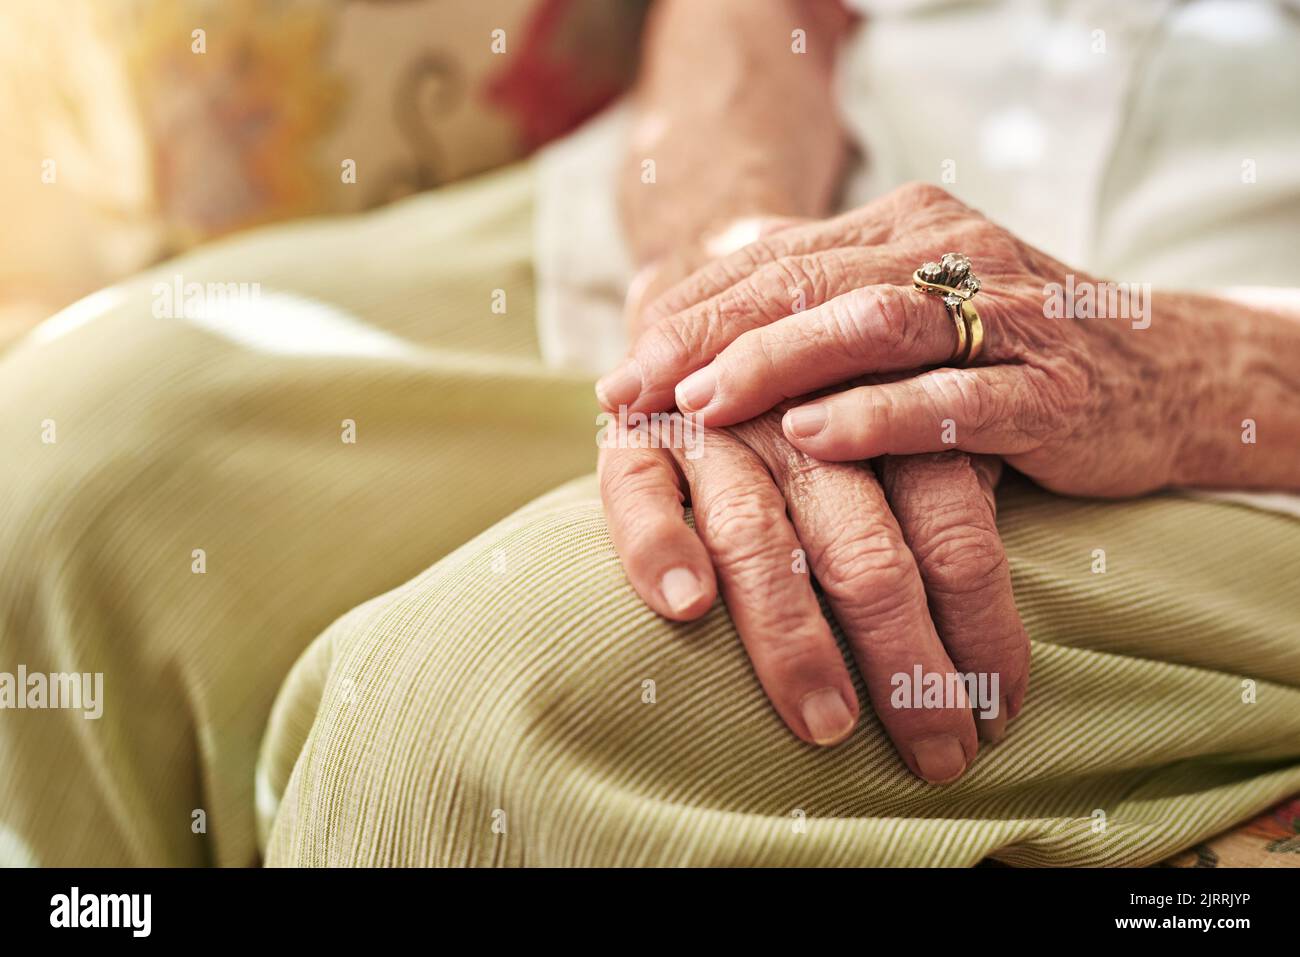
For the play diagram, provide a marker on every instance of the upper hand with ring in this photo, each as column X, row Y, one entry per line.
column 1078, row 404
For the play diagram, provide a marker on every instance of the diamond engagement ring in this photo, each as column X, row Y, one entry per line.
column 951, row 280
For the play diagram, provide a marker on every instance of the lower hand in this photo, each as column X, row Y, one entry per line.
column 908, row 557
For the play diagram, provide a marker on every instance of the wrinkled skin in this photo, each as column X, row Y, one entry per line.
column 1080, row 405
column 906, row 552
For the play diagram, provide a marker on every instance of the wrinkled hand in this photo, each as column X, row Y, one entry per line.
column 879, row 546
column 1073, row 402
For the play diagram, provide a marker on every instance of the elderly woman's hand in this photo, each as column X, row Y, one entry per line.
column 1081, row 404
column 909, row 560
column 907, row 555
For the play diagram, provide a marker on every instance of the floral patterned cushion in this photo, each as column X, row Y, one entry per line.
column 143, row 127
column 1270, row 840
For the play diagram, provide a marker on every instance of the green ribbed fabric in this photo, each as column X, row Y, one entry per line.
column 493, row 709
column 173, row 436
column 506, row 685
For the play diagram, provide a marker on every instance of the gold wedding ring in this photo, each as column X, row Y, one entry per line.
column 974, row 332
column 950, row 279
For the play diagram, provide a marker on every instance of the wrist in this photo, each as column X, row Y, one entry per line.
column 1234, row 396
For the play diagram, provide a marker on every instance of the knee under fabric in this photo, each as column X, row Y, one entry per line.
column 518, row 705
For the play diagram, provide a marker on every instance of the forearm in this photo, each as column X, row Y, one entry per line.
column 730, row 121
column 1242, row 413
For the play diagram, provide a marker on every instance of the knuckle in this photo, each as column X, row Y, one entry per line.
column 924, row 485
column 746, row 288
column 816, row 275
column 928, row 472
column 765, row 359
column 789, row 648
column 632, row 473
column 759, row 252
column 751, row 259
column 743, row 524
column 886, row 314
column 762, row 298
column 675, row 299
column 870, row 569
column 763, row 254
column 752, row 353
column 612, row 474
column 971, row 400
column 844, row 332
column 668, row 345
column 800, row 476
column 973, row 231
column 870, row 321
column 716, row 280
column 652, row 528
column 961, row 396
column 645, row 532
column 960, row 558
column 919, row 193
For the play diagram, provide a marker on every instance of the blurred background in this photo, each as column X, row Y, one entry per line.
column 121, row 146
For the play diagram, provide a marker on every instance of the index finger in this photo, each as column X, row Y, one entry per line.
column 869, row 330
column 679, row 344
column 741, row 518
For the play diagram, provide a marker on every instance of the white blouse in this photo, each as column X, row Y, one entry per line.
column 1146, row 141
column 1141, row 140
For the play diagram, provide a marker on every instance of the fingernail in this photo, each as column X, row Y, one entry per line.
column 620, row 387
column 992, row 729
column 680, row 588
column 696, row 390
column 940, row 759
column 827, row 716
column 805, row 421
